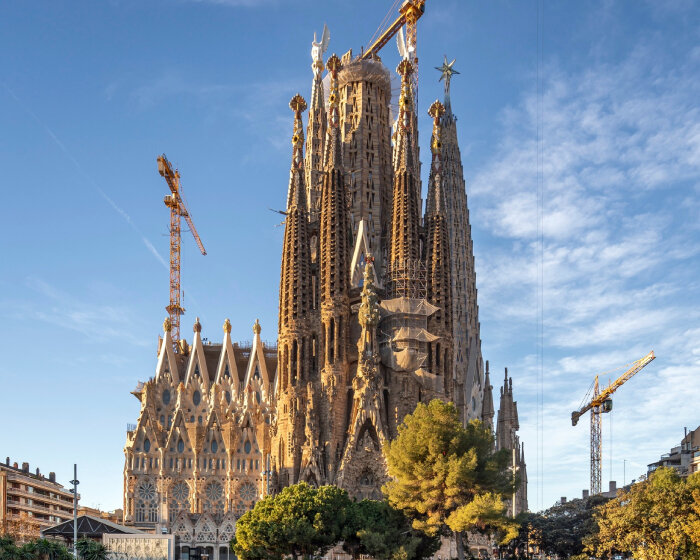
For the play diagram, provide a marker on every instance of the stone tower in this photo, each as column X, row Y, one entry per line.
column 468, row 363
column 296, row 343
column 507, row 438
column 438, row 265
column 334, row 263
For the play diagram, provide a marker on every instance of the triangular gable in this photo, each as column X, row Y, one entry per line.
column 145, row 429
column 166, row 360
column 197, row 363
column 177, row 431
column 182, row 526
column 256, row 364
column 227, row 368
column 214, row 432
column 227, row 527
column 205, row 529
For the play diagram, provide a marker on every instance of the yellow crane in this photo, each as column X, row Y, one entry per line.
column 178, row 209
column 410, row 12
column 600, row 404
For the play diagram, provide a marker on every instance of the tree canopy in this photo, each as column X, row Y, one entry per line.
column 446, row 476
column 300, row 521
column 37, row 549
column 656, row 519
column 378, row 530
column 561, row 529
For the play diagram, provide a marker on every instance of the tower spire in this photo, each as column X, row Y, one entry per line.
column 294, row 336
column 405, row 242
column 438, row 263
column 316, row 127
column 334, row 264
column 333, row 159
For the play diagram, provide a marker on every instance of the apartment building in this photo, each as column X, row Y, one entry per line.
column 30, row 502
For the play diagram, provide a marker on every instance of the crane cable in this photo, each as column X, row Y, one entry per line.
column 540, row 235
column 383, row 23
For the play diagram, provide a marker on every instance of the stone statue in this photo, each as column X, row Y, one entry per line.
column 318, row 49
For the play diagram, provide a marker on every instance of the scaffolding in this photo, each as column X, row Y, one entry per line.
column 407, row 279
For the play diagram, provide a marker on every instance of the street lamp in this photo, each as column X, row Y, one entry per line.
column 74, row 491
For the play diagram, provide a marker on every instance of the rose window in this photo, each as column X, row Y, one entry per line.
column 248, row 492
column 147, row 491
column 214, row 491
column 180, row 491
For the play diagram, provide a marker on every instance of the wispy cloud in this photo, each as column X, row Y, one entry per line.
column 621, row 171
column 81, row 170
column 59, row 309
column 261, row 105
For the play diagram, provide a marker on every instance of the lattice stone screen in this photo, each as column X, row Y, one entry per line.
column 140, row 547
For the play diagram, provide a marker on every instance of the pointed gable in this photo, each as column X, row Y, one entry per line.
column 167, row 362
column 257, row 376
column 197, row 366
column 227, row 369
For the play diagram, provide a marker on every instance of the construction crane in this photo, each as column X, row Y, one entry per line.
column 409, row 14
column 178, row 209
column 601, row 403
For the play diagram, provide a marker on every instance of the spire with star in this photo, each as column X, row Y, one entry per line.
column 447, row 70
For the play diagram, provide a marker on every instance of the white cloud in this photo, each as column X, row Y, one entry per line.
column 621, row 178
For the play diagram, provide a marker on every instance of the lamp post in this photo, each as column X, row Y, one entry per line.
column 74, row 491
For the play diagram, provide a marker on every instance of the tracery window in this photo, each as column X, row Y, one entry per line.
column 178, row 500
column 248, row 492
column 146, row 503
column 214, row 498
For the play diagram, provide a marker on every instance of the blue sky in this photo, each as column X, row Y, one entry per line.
column 91, row 92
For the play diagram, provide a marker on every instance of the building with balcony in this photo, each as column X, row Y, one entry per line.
column 30, row 502
column 685, row 457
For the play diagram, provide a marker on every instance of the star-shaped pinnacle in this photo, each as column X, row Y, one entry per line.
column 447, row 71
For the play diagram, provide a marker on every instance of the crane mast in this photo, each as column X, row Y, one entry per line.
column 175, row 202
column 600, row 404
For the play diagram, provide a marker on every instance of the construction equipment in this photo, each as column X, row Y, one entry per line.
column 178, row 209
column 409, row 14
column 601, row 403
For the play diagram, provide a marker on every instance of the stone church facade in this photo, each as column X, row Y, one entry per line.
column 377, row 312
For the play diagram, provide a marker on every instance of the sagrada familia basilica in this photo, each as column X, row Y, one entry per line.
column 377, row 312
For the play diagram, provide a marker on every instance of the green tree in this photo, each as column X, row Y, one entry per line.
column 562, row 529
column 91, row 550
column 301, row 521
column 439, row 468
column 651, row 521
column 378, row 530
column 39, row 549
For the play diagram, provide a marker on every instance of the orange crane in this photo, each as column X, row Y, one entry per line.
column 409, row 14
column 600, row 404
column 178, row 209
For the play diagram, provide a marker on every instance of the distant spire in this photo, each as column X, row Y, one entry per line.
column 447, row 71
column 295, row 300
column 404, row 128
column 405, row 217
column 487, row 410
column 297, row 194
column 333, row 158
column 435, row 203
